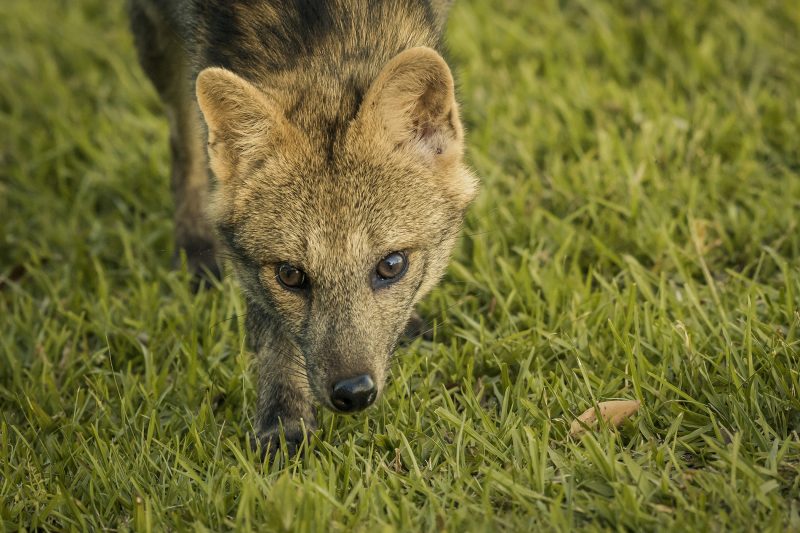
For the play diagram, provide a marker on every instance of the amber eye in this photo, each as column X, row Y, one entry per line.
column 291, row 277
column 392, row 266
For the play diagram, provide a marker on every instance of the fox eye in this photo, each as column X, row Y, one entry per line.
column 391, row 267
column 291, row 277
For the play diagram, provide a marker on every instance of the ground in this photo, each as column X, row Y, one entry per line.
column 636, row 237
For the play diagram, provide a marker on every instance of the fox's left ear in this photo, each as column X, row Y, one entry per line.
column 412, row 104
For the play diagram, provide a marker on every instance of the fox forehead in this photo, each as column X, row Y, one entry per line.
column 314, row 230
column 353, row 208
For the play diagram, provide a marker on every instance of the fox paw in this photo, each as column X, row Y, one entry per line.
column 201, row 262
column 415, row 328
column 268, row 443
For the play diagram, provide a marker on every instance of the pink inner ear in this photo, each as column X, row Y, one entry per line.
column 433, row 131
column 432, row 137
column 426, row 131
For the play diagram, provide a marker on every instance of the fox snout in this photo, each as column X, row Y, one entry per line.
column 346, row 385
column 353, row 394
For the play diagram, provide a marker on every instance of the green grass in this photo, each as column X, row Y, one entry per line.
column 636, row 237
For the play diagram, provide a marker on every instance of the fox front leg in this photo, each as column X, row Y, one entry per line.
column 284, row 403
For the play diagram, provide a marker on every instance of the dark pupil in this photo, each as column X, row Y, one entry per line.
column 291, row 276
column 391, row 265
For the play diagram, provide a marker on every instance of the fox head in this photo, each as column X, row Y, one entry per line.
column 336, row 245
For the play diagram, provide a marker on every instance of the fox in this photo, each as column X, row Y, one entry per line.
column 317, row 146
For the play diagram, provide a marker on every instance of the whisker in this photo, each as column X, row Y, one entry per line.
column 234, row 317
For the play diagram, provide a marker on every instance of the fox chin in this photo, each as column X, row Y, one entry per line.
column 318, row 144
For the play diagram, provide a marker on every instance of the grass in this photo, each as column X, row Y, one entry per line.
column 636, row 237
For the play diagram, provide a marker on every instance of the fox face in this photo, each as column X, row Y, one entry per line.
column 335, row 237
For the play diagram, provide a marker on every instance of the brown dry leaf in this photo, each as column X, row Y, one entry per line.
column 614, row 412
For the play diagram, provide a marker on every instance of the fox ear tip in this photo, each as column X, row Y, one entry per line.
column 211, row 80
column 215, row 73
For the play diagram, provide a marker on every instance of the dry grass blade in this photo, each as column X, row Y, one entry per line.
column 613, row 412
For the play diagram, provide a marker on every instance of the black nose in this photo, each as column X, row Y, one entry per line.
column 354, row 394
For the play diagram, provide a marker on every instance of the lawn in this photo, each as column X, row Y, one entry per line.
column 636, row 237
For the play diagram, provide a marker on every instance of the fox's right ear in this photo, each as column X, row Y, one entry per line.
column 239, row 117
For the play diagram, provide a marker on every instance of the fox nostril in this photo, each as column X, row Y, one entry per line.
column 354, row 394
